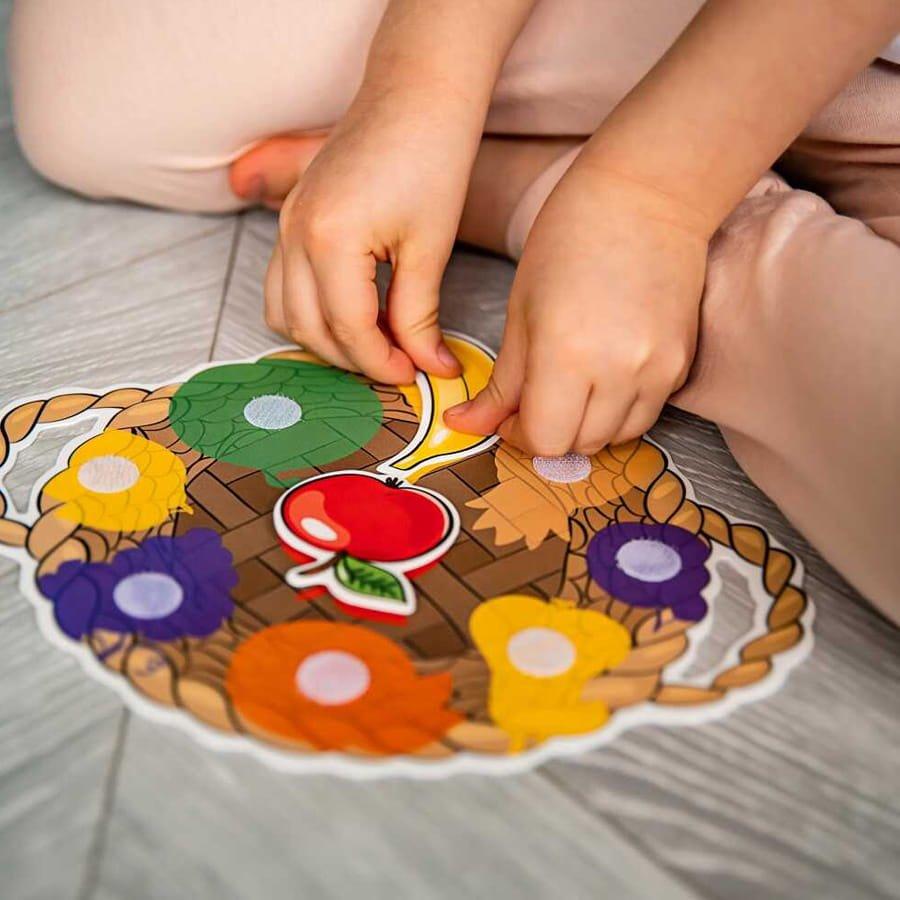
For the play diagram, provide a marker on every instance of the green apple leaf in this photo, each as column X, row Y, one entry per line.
column 363, row 577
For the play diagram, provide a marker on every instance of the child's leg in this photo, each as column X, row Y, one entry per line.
column 799, row 358
column 799, row 365
column 152, row 102
column 848, row 154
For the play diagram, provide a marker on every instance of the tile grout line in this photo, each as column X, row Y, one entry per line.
column 114, row 268
column 560, row 785
column 226, row 281
column 97, row 848
column 258, row 233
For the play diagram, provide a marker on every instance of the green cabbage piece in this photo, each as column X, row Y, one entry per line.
column 339, row 415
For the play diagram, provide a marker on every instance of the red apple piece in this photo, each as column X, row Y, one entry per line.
column 365, row 517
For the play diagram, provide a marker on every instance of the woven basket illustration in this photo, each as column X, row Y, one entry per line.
column 443, row 691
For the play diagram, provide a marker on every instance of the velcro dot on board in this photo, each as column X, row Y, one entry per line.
column 148, row 595
column 108, row 474
column 649, row 560
column 541, row 652
column 333, row 677
column 273, row 412
column 563, row 469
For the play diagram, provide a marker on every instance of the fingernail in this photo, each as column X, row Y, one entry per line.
column 445, row 355
column 460, row 408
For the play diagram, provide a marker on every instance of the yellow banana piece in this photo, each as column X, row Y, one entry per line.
column 435, row 445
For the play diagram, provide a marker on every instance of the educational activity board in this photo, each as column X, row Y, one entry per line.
column 291, row 560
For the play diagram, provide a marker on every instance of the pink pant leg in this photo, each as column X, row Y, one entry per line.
column 850, row 152
column 799, row 365
column 152, row 101
column 799, row 361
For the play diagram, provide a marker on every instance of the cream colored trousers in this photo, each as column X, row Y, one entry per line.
column 799, row 359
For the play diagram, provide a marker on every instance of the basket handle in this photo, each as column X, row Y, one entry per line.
column 662, row 497
column 784, row 628
column 138, row 407
column 667, row 501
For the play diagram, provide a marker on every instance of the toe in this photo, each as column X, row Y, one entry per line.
column 268, row 172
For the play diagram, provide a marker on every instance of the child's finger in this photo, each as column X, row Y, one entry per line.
column 499, row 399
column 607, row 408
column 301, row 313
column 551, row 408
column 349, row 303
column 272, row 293
column 413, row 302
column 640, row 419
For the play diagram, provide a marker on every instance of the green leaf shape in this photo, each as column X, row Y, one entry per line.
column 362, row 577
column 340, row 415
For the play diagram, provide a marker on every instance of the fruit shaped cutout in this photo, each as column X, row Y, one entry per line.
column 434, row 445
column 362, row 536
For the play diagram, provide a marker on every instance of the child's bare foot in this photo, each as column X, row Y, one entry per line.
column 267, row 173
column 503, row 171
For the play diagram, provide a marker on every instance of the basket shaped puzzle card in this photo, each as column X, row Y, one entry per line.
column 291, row 560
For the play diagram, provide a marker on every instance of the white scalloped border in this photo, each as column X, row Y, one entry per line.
column 333, row 763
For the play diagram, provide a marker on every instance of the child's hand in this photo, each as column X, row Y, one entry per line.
column 602, row 321
column 389, row 185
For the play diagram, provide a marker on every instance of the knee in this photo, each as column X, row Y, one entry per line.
column 58, row 145
column 750, row 274
column 55, row 118
column 98, row 135
column 759, row 246
column 72, row 143
column 66, row 144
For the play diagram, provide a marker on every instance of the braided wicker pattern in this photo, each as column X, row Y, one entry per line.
column 49, row 539
column 190, row 673
column 659, row 495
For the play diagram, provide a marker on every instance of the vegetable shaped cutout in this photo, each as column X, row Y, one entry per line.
column 541, row 656
column 119, row 481
column 276, row 415
column 362, row 536
column 653, row 566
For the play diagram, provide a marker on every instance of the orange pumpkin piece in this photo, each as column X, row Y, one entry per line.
column 338, row 687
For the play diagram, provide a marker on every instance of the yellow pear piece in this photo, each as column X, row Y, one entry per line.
column 435, row 445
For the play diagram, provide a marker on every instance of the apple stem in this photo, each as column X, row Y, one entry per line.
column 322, row 566
column 298, row 576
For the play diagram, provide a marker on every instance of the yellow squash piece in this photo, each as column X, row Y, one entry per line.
column 541, row 655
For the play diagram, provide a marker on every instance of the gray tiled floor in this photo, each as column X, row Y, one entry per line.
column 798, row 796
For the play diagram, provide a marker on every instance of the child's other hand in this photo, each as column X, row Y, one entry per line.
column 602, row 322
column 388, row 185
